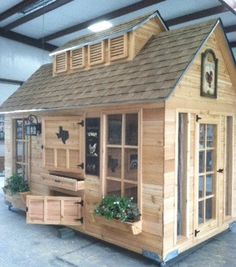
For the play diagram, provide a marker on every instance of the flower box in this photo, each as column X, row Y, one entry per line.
column 17, row 201
column 133, row 227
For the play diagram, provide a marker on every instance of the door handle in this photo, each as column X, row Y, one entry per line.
column 220, row 170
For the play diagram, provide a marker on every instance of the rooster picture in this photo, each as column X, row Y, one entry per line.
column 92, row 149
column 209, row 78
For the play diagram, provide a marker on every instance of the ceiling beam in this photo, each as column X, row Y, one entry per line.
column 108, row 16
column 230, row 5
column 17, row 8
column 26, row 40
column 36, row 14
column 9, row 81
column 197, row 15
column 231, row 28
column 232, row 44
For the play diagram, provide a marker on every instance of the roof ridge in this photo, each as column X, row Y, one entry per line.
column 112, row 32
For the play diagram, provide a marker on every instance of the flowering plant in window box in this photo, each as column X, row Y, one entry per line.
column 119, row 212
column 16, row 190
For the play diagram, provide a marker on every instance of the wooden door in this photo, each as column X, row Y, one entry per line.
column 208, row 168
column 63, row 144
column 54, row 210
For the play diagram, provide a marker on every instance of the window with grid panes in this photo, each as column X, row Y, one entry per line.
column 122, row 155
column 21, row 149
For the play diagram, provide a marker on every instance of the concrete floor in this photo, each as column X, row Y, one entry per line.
column 25, row 245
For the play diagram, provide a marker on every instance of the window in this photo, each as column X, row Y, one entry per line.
column 229, row 169
column 92, row 146
column 21, row 149
column 1, row 127
column 122, row 155
column 182, row 173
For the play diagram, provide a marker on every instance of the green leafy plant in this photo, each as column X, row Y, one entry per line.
column 118, row 208
column 16, row 184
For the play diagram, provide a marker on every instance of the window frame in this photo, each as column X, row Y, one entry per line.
column 122, row 146
column 229, row 168
column 185, row 181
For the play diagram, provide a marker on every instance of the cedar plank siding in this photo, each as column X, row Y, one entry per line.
column 187, row 96
column 151, row 187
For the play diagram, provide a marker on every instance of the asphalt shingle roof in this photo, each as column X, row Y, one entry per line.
column 150, row 77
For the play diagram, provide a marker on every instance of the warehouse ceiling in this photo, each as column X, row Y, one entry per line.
column 48, row 24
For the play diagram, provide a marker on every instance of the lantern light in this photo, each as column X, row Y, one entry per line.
column 32, row 127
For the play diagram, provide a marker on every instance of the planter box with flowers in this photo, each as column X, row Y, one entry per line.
column 15, row 191
column 120, row 213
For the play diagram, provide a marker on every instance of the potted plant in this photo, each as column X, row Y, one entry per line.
column 16, row 190
column 119, row 212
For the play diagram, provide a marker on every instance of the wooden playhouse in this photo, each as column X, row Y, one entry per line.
column 138, row 111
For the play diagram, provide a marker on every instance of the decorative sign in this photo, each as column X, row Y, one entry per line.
column 63, row 135
column 209, row 74
column 92, row 146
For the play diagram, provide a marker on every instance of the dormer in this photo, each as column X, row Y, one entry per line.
column 122, row 42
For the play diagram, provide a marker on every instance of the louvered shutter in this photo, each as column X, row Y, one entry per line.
column 96, row 54
column 118, row 47
column 77, row 58
column 60, row 63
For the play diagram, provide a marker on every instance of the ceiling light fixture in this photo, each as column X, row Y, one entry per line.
column 100, row 26
column 36, row 6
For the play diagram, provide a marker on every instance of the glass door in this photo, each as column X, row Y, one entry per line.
column 206, row 217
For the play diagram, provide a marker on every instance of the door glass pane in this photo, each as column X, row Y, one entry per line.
column 201, row 186
column 209, row 184
column 209, row 208
column 209, row 161
column 131, row 164
column 131, row 130
column 19, row 129
column 200, row 212
column 113, row 188
column 114, row 162
column 19, row 170
column 20, row 152
column 114, row 129
column 210, row 135
column 202, row 136
column 201, row 161
column 131, row 190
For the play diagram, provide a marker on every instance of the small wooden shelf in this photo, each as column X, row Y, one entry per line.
column 62, row 182
column 135, row 228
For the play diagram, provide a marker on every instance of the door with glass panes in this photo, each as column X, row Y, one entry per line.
column 208, row 168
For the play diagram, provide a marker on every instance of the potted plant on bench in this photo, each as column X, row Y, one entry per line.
column 16, row 190
column 119, row 212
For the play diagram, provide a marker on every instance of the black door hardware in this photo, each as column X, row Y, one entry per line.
column 81, row 166
column 198, row 118
column 196, row 232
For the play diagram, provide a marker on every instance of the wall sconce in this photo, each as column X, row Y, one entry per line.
column 32, row 126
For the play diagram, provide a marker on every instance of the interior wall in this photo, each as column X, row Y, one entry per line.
column 19, row 61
